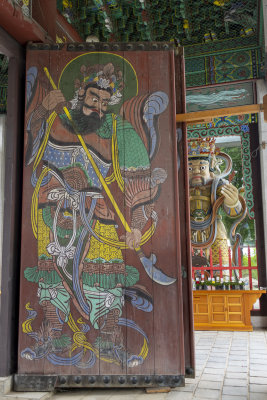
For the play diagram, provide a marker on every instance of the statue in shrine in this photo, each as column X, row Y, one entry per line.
column 81, row 256
column 209, row 190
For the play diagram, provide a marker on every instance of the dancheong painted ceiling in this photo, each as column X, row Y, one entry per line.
column 187, row 21
column 223, row 39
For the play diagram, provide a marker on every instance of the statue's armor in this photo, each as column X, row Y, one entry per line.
column 207, row 229
column 200, row 210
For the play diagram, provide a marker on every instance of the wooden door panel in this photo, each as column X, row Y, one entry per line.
column 101, row 293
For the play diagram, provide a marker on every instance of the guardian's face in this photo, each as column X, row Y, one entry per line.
column 199, row 172
column 96, row 100
column 88, row 115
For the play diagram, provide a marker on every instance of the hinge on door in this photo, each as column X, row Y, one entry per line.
column 184, row 272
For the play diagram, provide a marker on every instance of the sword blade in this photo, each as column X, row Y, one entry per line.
column 155, row 273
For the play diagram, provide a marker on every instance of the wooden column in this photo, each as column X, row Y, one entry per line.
column 12, row 204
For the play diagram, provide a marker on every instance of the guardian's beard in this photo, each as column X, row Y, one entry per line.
column 204, row 181
column 85, row 124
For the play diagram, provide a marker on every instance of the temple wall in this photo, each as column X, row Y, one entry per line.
column 2, row 125
column 261, row 91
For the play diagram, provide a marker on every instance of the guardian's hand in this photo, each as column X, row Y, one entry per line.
column 133, row 238
column 53, row 98
column 230, row 193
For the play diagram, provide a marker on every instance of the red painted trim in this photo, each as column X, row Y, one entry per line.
column 67, row 30
column 18, row 26
column 44, row 13
column 24, row 29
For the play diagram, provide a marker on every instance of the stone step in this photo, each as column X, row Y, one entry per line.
column 5, row 384
column 27, row 396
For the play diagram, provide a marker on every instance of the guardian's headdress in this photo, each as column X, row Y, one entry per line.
column 202, row 148
column 104, row 77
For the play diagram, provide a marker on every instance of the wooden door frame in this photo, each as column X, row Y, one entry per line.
column 12, row 203
column 258, row 209
column 186, row 260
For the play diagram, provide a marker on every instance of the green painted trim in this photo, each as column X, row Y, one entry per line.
column 223, row 51
column 250, row 42
column 247, row 171
column 261, row 26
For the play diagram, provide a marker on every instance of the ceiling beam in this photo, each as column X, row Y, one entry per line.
column 208, row 115
column 44, row 26
column 17, row 25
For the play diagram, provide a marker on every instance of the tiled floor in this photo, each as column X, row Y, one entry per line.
column 229, row 366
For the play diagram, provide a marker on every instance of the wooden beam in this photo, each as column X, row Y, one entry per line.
column 199, row 116
column 45, row 14
column 63, row 28
column 21, row 28
column 45, row 23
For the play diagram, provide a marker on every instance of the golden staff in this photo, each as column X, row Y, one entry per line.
column 153, row 272
column 98, row 173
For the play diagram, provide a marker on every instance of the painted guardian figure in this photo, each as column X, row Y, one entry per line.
column 209, row 190
column 77, row 149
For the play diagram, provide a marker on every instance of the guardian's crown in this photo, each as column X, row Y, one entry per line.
column 203, row 147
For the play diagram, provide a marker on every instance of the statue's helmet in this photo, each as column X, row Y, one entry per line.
column 203, row 149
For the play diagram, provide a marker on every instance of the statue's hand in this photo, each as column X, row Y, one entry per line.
column 230, row 193
column 53, row 98
column 133, row 238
